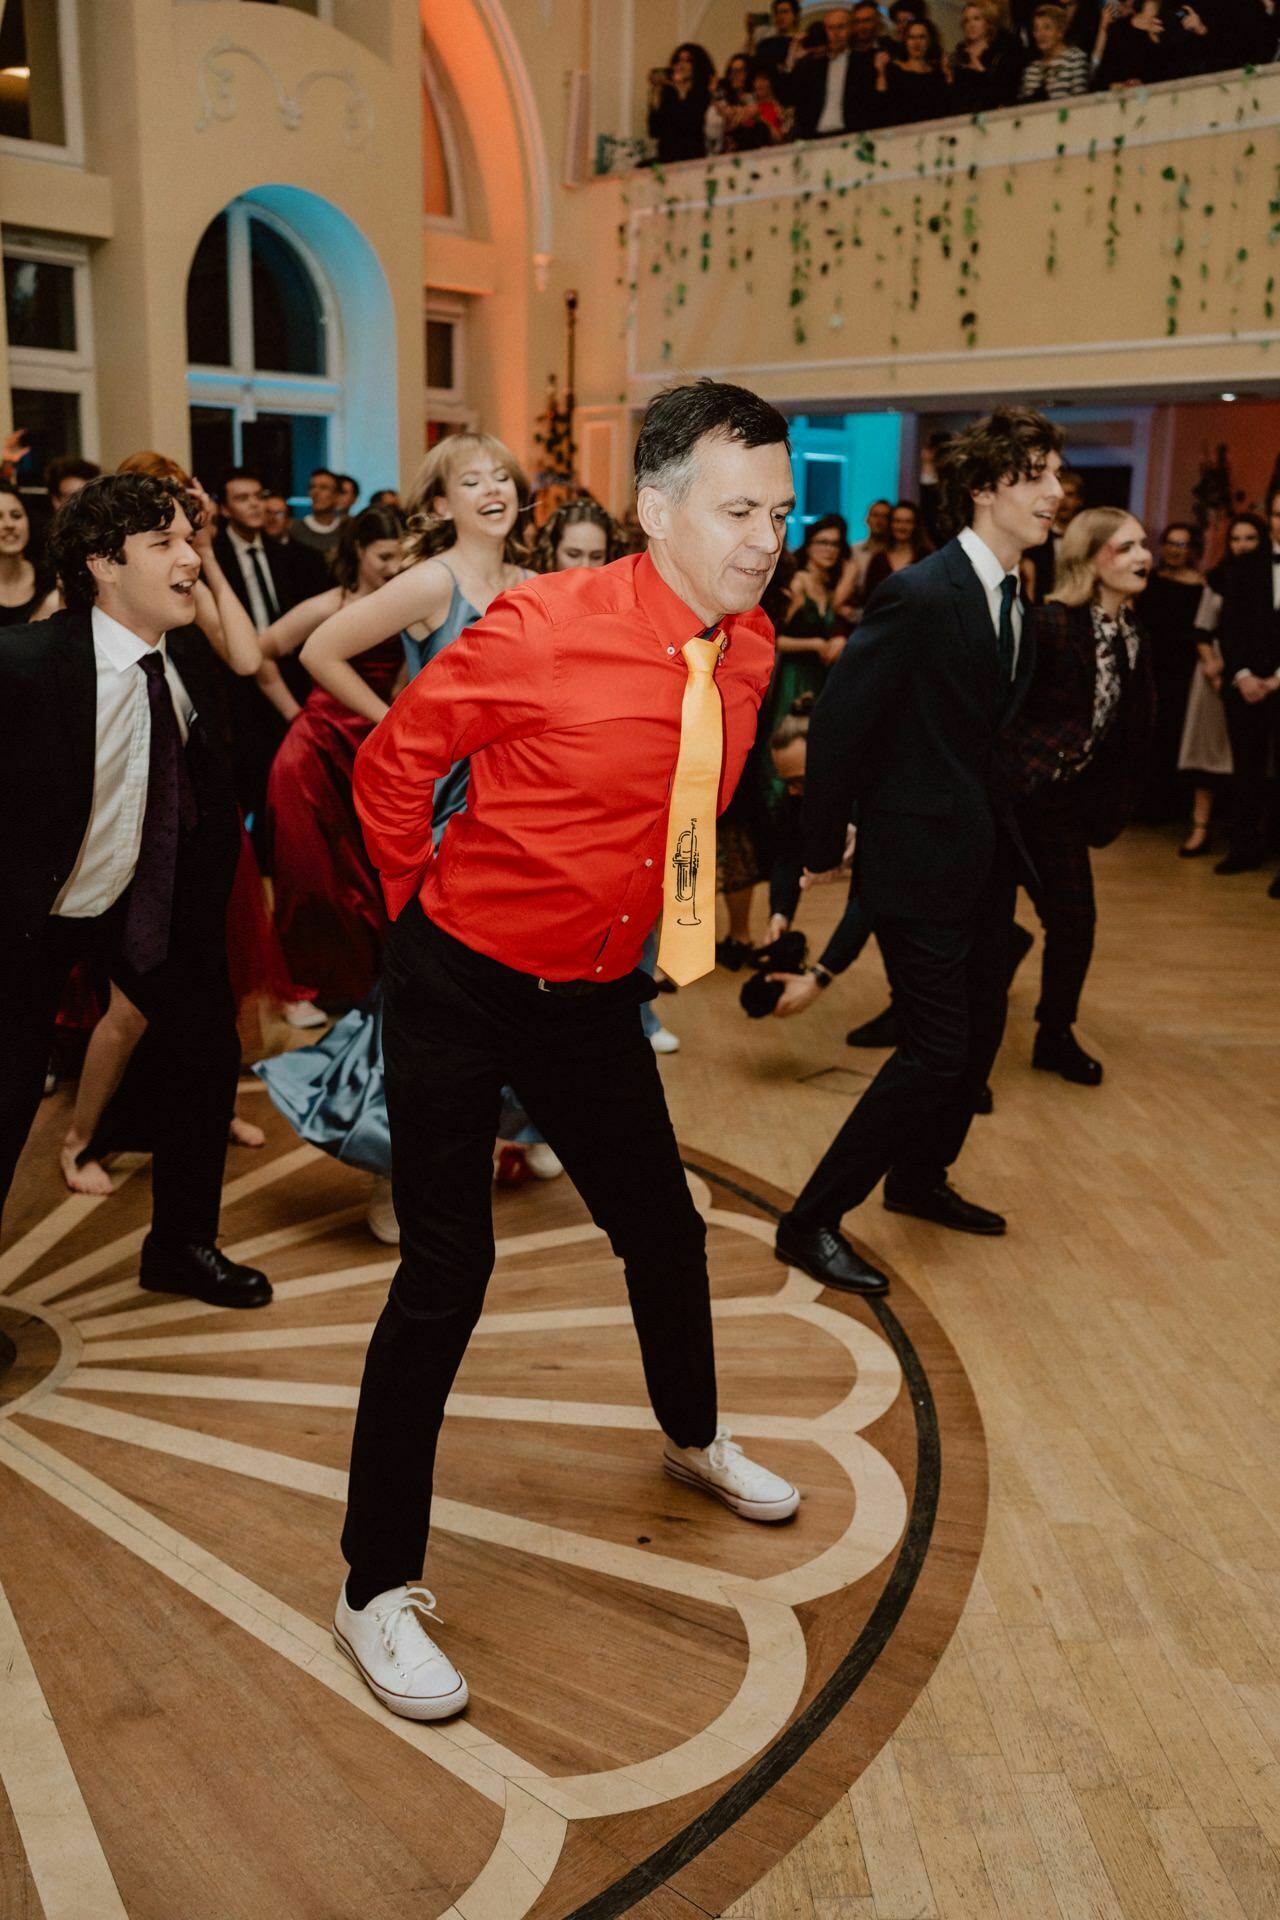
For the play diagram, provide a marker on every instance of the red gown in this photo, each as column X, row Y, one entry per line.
column 329, row 910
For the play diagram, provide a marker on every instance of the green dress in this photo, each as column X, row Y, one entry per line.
column 793, row 674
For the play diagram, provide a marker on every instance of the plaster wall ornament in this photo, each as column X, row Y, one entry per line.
column 216, row 84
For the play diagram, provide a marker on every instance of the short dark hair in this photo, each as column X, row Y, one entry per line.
column 375, row 523
column 95, row 523
column 347, row 480
column 238, row 473
column 69, row 466
column 327, row 472
column 1005, row 446
column 1178, row 526
column 676, row 419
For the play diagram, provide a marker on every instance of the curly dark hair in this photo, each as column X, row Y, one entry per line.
column 95, row 523
column 1005, row 446
column 375, row 523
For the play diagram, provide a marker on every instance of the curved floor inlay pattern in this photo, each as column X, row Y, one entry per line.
column 660, row 1694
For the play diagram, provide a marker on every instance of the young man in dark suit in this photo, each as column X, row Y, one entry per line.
column 905, row 734
column 1249, row 635
column 120, row 846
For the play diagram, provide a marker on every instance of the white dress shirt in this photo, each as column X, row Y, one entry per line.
column 109, row 851
column 993, row 575
column 259, row 610
column 832, row 120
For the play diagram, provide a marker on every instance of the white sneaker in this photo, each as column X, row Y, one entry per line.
column 664, row 1041
column 542, row 1162
column 396, row 1657
column 380, row 1214
column 724, row 1471
column 304, row 1013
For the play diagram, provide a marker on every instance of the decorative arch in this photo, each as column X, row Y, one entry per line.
column 351, row 391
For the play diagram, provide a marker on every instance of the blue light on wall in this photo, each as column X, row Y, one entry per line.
column 842, row 462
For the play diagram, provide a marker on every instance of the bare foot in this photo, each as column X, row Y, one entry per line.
column 89, row 1176
column 244, row 1134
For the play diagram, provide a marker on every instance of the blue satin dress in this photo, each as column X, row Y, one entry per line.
column 333, row 1093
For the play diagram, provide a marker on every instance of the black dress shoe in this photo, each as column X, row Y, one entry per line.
column 1238, row 863
column 733, row 954
column 1058, row 1051
column 1020, row 945
column 985, row 1102
column 880, row 1032
column 826, row 1255
column 202, row 1273
column 943, row 1205
column 8, row 1352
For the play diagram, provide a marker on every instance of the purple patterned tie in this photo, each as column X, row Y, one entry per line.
column 171, row 807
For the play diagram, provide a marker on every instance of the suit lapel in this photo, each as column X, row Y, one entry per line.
column 76, row 672
column 974, row 613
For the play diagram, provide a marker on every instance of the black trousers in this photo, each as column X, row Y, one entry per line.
column 950, row 994
column 1254, row 732
column 182, row 1081
column 458, row 1027
column 1053, row 823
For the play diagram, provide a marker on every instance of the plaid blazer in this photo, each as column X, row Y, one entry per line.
column 1051, row 730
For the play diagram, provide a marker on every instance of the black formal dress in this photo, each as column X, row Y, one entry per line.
column 1249, row 635
column 48, row 751
column 906, row 731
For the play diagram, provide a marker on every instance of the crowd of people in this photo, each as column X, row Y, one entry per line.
column 478, row 755
column 863, row 67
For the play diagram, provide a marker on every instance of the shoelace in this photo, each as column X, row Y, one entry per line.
column 418, row 1600
column 723, row 1449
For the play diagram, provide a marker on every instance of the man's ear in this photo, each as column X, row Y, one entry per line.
column 653, row 511
column 103, row 569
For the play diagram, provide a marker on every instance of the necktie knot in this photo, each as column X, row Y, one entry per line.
column 1008, row 593
column 152, row 664
column 701, row 655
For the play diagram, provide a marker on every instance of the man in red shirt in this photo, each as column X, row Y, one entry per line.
column 513, row 959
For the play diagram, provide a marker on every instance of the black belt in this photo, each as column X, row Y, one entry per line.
column 573, row 989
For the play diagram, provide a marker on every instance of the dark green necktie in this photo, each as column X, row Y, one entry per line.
column 1004, row 638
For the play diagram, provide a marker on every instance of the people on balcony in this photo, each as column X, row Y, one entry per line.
column 915, row 81
column 1058, row 70
column 679, row 96
column 987, row 63
column 835, row 87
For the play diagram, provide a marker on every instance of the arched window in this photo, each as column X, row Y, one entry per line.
column 262, row 346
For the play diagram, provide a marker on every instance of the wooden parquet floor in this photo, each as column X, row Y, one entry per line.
column 855, row 1717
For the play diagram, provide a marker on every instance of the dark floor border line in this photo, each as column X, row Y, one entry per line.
column 790, row 1746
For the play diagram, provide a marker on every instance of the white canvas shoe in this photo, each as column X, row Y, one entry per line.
column 380, row 1214
column 396, row 1657
column 664, row 1041
column 542, row 1162
column 724, row 1471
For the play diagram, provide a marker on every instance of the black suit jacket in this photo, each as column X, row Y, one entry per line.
column 1249, row 628
column 864, row 108
column 906, row 732
column 296, row 572
column 48, row 714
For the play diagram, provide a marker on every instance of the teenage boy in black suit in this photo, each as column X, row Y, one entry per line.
column 121, row 840
column 905, row 733
column 1249, row 635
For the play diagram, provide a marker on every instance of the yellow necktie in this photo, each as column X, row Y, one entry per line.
column 688, row 945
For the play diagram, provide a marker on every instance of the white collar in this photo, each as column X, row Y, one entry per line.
column 245, row 546
column 984, row 563
column 309, row 520
column 120, row 644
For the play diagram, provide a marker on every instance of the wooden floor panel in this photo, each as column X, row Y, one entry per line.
column 1100, row 1737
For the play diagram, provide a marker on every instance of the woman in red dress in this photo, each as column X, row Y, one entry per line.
column 328, row 904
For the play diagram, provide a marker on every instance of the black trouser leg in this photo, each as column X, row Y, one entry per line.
column 457, row 1026
column 195, row 1098
column 1055, row 834
column 927, row 966
column 30, row 1001
column 597, row 1096
column 1249, row 729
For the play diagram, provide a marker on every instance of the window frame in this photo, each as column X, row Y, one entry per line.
column 51, row 369
column 245, row 390
column 70, row 153
column 452, row 312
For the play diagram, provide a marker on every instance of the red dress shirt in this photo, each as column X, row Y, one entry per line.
column 566, row 697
